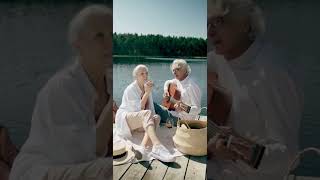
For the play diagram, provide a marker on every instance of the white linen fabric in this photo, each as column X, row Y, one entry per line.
column 266, row 105
column 131, row 102
column 63, row 128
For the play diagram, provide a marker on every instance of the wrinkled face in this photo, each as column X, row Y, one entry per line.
column 95, row 42
column 179, row 72
column 142, row 75
column 227, row 33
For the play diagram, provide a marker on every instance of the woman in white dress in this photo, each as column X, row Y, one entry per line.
column 136, row 112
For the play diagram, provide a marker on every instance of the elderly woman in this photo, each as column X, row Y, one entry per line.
column 71, row 122
column 190, row 93
column 136, row 112
column 263, row 101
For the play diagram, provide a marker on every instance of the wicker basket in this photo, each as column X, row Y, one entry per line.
column 191, row 137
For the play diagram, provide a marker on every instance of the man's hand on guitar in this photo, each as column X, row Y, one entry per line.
column 217, row 146
column 219, row 150
column 166, row 96
column 177, row 106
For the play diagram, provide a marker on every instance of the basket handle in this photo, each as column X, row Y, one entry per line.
column 298, row 156
column 179, row 119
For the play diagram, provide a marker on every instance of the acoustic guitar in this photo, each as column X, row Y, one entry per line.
column 174, row 97
column 219, row 108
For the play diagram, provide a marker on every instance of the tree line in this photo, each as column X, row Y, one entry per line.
column 158, row 45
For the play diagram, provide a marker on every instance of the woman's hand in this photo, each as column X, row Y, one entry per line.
column 145, row 95
column 148, row 86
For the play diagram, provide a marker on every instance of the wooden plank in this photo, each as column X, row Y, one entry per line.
column 196, row 168
column 177, row 170
column 118, row 171
column 156, row 170
column 136, row 170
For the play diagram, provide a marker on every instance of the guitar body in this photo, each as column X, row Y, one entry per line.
column 173, row 92
column 174, row 97
column 219, row 106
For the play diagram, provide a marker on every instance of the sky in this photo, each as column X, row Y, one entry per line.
column 166, row 17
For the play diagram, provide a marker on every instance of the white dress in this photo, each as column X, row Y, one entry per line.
column 63, row 130
column 266, row 104
column 131, row 102
column 190, row 95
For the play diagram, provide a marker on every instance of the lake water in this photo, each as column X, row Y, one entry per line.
column 159, row 72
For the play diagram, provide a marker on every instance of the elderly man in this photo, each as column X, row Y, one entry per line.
column 71, row 122
column 261, row 101
column 189, row 104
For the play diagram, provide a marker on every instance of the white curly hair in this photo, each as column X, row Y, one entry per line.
column 244, row 8
column 181, row 63
column 79, row 22
column 138, row 68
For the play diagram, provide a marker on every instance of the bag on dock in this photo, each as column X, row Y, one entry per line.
column 191, row 137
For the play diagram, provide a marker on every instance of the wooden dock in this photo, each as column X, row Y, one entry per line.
column 185, row 167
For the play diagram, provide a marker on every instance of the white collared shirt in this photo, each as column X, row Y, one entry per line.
column 63, row 128
column 265, row 103
column 131, row 102
column 190, row 95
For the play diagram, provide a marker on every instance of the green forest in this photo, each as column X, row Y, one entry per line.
column 158, row 45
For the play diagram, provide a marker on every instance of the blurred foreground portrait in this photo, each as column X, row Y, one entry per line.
column 254, row 106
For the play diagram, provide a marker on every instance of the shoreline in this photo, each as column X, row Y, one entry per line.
column 163, row 57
